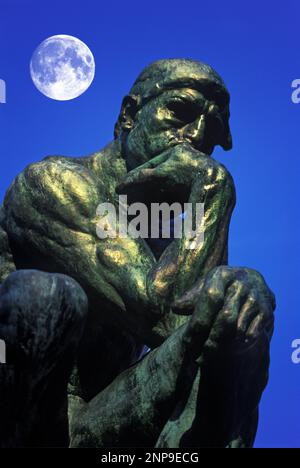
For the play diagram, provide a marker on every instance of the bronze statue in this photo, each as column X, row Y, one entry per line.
column 208, row 325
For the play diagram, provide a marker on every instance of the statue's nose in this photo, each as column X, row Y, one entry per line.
column 195, row 131
column 204, row 126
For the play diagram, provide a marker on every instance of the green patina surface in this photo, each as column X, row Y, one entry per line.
column 204, row 321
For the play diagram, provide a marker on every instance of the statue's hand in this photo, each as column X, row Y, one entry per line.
column 175, row 168
column 230, row 305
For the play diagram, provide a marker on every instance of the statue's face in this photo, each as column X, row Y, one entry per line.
column 174, row 117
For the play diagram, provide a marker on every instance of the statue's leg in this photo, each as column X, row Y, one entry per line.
column 166, row 400
column 41, row 320
column 222, row 407
column 134, row 408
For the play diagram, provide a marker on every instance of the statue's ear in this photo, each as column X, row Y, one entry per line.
column 127, row 114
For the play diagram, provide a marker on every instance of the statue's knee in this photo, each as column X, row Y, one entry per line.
column 30, row 294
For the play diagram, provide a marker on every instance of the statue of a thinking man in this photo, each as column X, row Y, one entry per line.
column 77, row 311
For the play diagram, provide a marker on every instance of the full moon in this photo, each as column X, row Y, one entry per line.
column 62, row 67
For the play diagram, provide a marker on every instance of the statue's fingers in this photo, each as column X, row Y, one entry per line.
column 157, row 160
column 213, row 285
column 225, row 273
column 186, row 304
column 248, row 312
column 255, row 328
column 141, row 173
column 135, row 178
column 216, row 288
column 224, row 328
column 199, row 326
column 206, row 322
column 262, row 322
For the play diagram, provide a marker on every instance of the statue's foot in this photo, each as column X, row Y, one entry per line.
column 41, row 321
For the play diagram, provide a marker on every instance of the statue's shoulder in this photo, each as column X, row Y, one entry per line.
column 63, row 187
column 101, row 170
column 53, row 185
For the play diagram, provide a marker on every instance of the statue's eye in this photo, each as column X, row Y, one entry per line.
column 184, row 111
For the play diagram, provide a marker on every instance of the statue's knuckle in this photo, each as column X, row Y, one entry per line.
column 229, row 319
column 213, row 272
column 252, row 299
column 220, row 271
column 253, row 273
column 226, row 314
column 213, row 293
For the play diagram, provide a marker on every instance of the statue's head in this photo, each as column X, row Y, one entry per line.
column 171, row 102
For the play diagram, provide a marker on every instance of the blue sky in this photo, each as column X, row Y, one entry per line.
column 254, row 46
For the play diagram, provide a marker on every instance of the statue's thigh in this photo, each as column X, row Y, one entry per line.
column 133, row 410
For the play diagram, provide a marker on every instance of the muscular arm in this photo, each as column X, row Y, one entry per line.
column 207, row 182
column 211, row 184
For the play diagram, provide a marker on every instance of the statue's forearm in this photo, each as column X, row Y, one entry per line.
column 180, row 266
column 218, row 197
